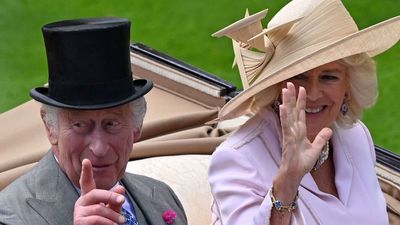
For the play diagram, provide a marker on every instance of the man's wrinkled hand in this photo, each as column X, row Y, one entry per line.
column 96, row 206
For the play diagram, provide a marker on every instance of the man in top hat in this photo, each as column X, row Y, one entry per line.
column 93, row 112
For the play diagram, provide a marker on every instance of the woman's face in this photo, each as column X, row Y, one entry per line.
column 326, row 88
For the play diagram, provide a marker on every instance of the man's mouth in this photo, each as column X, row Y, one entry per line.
column 100, row 166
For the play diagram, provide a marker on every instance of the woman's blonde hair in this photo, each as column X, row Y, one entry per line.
column 363, row 84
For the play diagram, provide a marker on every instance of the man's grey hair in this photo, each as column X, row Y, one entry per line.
column 137, row 107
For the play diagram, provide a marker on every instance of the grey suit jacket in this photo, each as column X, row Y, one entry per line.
column 45, row 195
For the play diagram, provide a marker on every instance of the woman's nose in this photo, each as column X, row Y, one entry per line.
column 314, row 91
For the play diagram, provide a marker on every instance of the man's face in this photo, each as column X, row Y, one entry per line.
column 105, row 137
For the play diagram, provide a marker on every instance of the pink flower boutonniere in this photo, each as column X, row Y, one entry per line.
column 169, row 216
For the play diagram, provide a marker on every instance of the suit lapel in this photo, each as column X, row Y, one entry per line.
column 151, row 200
column 56, row 196
column 143, row 199
column 139, row 214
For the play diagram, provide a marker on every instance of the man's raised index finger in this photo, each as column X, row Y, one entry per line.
column 86, row 180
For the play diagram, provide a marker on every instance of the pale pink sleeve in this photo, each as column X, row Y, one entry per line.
column 240, row 194
column 381, row 198
column 370, row 142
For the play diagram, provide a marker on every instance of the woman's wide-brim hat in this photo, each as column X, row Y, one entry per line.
column 89, row 65
column 303, row 35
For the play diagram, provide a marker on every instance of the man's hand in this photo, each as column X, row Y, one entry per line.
column 96, row 206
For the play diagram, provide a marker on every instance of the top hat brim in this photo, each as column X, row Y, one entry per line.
column 140, row 87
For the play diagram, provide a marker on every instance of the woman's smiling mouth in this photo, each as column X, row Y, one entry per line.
column 314, row 110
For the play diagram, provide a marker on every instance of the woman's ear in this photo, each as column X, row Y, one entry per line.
column 51, row 134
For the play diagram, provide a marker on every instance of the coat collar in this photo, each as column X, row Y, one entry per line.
column 147, row 200
column 50, row 194
column 342, row 141
column 151, row 199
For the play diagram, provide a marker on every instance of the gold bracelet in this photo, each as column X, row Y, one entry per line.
column 278, row 204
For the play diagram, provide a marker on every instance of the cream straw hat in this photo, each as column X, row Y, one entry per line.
column 303, row 35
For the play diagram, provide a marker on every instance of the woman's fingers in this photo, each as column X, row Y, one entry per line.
column 301, row 100
column 287, row 103
column 301, row 114
column 291, row 95
column 286, row 127
column 293, row 116
column 320, row 140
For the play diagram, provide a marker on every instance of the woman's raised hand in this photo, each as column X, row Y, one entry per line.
column 299, row 154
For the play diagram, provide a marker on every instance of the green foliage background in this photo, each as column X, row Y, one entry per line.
column 182, row 29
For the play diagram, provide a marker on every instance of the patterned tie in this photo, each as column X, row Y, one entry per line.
column 130, row 219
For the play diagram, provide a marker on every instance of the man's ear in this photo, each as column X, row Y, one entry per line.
column 137, row 132
column 51, row 135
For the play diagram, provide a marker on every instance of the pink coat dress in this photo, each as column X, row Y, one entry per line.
column 243, row 167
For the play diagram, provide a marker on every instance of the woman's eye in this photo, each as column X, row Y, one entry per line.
column 329, row 77
column 300, row 77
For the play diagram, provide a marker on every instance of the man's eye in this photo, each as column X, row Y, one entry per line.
column 80, row 125
column 113, row 123
column 113, row 126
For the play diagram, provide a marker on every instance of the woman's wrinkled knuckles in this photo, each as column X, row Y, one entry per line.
column 325, row 134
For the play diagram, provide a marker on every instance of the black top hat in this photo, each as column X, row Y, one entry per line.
column 89, row 65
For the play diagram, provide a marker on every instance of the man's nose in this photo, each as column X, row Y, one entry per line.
column 98, row 143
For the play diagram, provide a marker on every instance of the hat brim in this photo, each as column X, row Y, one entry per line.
column 141, row 87
column 372, row 40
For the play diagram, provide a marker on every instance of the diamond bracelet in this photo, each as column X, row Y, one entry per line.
column 278, row 204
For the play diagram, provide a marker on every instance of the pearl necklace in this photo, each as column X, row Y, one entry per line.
column 322, row 157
